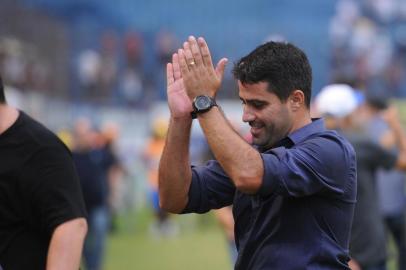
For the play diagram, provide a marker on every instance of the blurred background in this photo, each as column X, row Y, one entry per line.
column 93, row 72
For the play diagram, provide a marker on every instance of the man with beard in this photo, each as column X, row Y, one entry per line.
column 293, row 193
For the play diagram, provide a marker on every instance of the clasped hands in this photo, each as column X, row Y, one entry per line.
column 191, row 74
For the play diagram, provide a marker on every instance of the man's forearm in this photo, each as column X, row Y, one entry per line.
column 174, row 168
column 65, row 249
column 399, row 136
column 241, row 161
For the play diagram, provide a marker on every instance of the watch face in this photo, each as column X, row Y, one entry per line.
column 202, row 103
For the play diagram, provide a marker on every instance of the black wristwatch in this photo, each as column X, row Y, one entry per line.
column 202, row 104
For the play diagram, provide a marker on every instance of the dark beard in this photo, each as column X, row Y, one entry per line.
column 284, row 141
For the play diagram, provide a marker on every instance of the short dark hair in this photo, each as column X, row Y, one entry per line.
column 284, row 66
column 2, row 95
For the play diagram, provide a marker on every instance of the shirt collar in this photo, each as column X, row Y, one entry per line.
column 299, row 135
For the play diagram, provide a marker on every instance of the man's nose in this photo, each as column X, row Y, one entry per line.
column 247, row 115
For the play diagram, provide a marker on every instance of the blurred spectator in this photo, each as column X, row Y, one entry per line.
column 66, row 137
column 110, row 133
column 390, row 183
column 134, row 49
column 383, row 10
column 14, row 63
column 152, row 155
column 166, row 44
column 98, row 71
column 347, row 12
column 93, row 163
column 89, row 65
column 108, row 67
column 22, row 67
column 132, row 81
column 131, row 87
column 341, row 107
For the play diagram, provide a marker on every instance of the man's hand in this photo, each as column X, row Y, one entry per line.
column 354, row 265
column 179, row 102
column 391, row 116
column 198, row 73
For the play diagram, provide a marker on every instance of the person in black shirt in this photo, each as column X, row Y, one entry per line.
column 42, row 213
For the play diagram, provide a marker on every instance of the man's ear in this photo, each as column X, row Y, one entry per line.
column 297, row 100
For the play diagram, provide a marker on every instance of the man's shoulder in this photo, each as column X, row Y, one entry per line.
column 330, row 140
column 36, row 144
column 331, row 149
column 38, row 135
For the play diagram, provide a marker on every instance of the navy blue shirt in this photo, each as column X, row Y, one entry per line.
column 301, row 216
column 92, row 167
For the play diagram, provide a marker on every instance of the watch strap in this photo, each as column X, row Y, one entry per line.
column 195, row 111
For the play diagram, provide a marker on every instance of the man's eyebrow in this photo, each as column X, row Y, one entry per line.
column 253, row 100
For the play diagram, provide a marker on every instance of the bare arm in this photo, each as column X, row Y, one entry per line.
column 65, row 249
column 240, row 161
column 392, row 118
column 174, row 168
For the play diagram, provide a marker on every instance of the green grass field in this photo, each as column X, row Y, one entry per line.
column 199, row 245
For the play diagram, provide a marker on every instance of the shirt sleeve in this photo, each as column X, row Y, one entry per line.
column 52, row 188
column 319, row 165
column 210, row 189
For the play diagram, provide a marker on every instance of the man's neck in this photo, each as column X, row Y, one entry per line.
column 8, row 116
column 301, row 120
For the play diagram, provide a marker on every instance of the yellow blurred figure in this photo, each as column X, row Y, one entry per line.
column 152, row 156
column 66, row 137
column 160, row 128
column 154, row 150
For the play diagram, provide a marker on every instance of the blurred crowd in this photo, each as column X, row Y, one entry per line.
column 117, row 71
column 126, row 67
column 122, row 72
column 368, row 54
column 22, row 67
column 368, row 44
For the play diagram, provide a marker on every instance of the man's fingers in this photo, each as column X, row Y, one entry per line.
column 182, row 62
column 169, row 74
column 194, row 47
column 176, row 68
column 189, row 56
column 221, row 66
column 205, row 52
